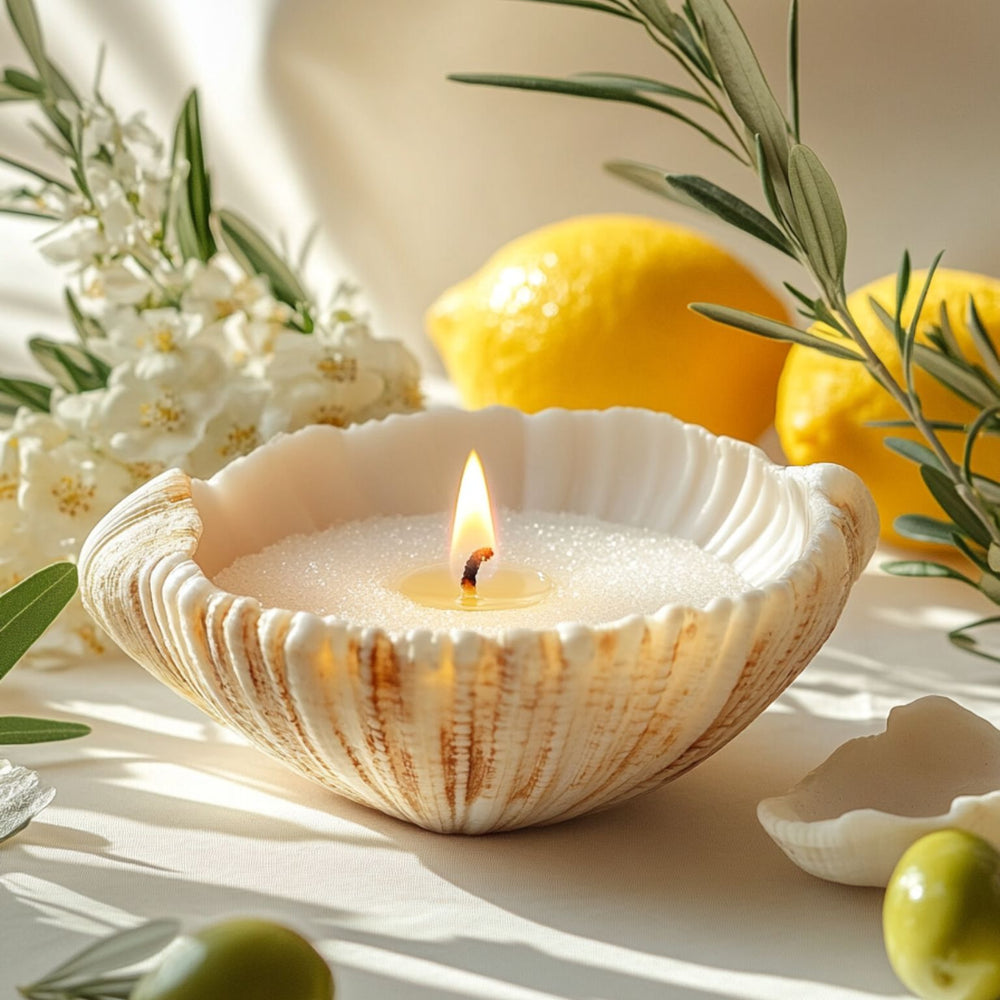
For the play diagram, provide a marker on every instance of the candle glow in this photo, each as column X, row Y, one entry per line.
column 473, row 522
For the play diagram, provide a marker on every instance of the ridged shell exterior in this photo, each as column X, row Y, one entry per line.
column 936, row 766
column 455, row 731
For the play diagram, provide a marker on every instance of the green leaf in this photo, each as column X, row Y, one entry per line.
column 821, row 224
column 765, row 327
column 920, row 567
column 731, row 209
column 659, row 15
column 902, row 287
column 652, row 179
column 887, row 320
column 25, row 21
column 925, row 529
column 576, row 87
column 793, row 68
column 914, row 451
column 23, row 392
column 86, row 326
column 118, row 951
column 781, row 212
column 641, row 84
column 35, row 172
column 22, row 81
column 28, row 609
column 21, row 729
column 944, row 492
column 253, row 252
column 957, row 376
column 74, row 368
column 982, row 340
column 911, row 333
column 962, row 638
column 604, row 8
column 745, row 84
column 190, row 204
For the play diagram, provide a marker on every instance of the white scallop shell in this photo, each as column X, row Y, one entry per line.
column 456, row 731
column 937, row 765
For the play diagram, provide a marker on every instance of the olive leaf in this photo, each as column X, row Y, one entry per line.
column 605, row 8
column 925, row 529
column 744, row 83
column 17, row 392
column 731, row 209
column 964, row 639
column 944, row 492
column 821, row 224
column 118, row 951
column 254, row 253
column 772, row 329
column 922, row 567
column 641, row 84
column 73, row 368
column 23, row 729
column 914, row 451
column 652, row 179
column 28, row 609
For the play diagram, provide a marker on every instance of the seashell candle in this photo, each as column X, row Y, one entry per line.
column 471, row 720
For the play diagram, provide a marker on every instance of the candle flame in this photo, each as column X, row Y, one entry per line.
column 472, row 526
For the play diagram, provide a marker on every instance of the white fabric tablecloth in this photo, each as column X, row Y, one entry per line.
column 678, row 894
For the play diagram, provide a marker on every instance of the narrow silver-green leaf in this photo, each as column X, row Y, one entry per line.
column 744, row 82
column 20, row 80
column 652, row 179
column 957, row 376
column 9, row 93
column 888, row 321
column 24, row 18
column 921, row 567
column 75, row 369
column 642, row 84
column 902, row 287
column 117, row 951
column 659, row 15
column 86, row 327
column 914, row 451
column 24, row 392
column 604, row 8
column 199, row 185
column 575, row 87
column 249, row 247
column 21, row 729
column 793, row 68
column 945, row 493
column 782, row 209
column 985, row 347
column 910, row 339
column 925, row 529
column 731, row 209
column 821, row 224
column 35, row 172
column 27, row 609
column 772, row 329
column 963, row 638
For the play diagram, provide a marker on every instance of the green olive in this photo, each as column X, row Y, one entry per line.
column 941, row 917
column 242, row 959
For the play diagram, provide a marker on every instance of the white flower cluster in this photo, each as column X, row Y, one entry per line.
column 205, row 362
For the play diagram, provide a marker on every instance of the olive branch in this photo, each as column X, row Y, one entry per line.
column 804, row 219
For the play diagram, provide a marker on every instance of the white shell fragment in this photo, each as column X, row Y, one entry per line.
column 22, row 798
column 937, row 765
column 458, row 731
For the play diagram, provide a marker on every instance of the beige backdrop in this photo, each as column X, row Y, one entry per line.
column 338, row 111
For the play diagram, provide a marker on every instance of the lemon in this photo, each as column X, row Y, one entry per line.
column 825, row 403
column 591, row 312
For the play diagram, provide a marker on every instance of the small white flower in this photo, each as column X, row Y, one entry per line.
column 66, row 490
column 78, row 241
column 156, row 408
column 234, row 431
column 119, row 282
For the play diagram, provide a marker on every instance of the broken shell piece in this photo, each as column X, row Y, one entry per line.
column 22, row 798
column 937, row 765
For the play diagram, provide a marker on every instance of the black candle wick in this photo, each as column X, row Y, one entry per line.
column 472, row 569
